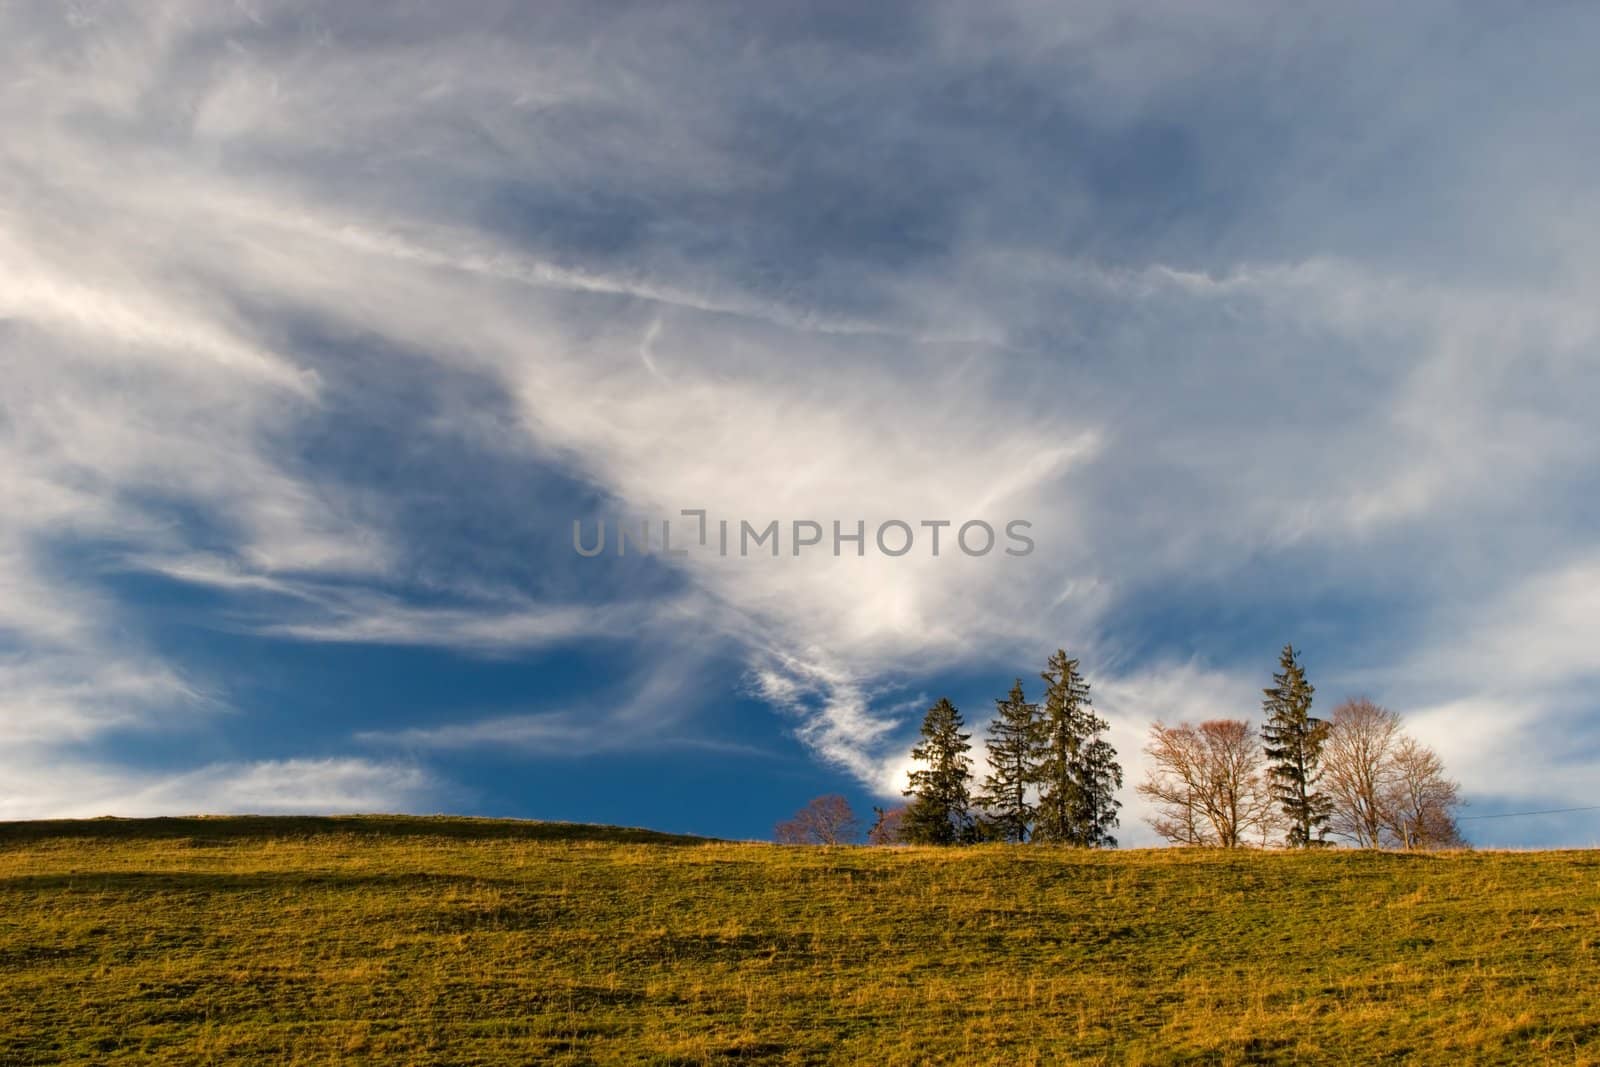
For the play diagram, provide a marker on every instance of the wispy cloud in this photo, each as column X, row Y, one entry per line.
column 268, row 787
column 1206, row 326
column 652, row 718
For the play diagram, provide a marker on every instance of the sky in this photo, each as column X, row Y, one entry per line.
column 322, row 325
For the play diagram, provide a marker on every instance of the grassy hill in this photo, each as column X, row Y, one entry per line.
column 392, row 940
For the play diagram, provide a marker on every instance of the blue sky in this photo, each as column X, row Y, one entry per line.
column 321, row 325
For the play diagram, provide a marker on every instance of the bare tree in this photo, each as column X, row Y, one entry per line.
column 1173, row 783
column 827, row 820
column 1359, row 769
column 886, row 827
column 1241, row 803
column 1207, row 784
column 1419, row 803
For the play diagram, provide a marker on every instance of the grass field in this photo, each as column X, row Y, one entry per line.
column 392, row 940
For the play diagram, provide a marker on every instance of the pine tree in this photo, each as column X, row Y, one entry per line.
column 1293, row 740
column 1100, row 776
column 1016, row 746
column 1059, row 803
column 1078, row 775
column 939, row 813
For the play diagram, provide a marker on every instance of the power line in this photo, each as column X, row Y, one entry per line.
column 1520, row 814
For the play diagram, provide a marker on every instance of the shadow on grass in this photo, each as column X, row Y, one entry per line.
column 203, row 882
column 223, row 828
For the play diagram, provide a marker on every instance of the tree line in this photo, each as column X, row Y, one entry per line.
column 1053, row 777
column 1355, row 776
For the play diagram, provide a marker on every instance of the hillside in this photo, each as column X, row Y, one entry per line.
column 476, row 942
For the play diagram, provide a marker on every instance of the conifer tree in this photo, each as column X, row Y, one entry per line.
column 1078, row 774
column 939, row 813
column 1100, row 776
column 1016, row 747
column 1293, row 740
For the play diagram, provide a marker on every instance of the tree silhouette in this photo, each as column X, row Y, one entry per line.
column 1078, row 773
column 1293, row 740
column 1016, row 747
column 827, row 820
column 939, row 813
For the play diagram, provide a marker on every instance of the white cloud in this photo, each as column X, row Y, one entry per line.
column 268, row 787
column 1295, row 370
column 652, row 718
column 358, row 618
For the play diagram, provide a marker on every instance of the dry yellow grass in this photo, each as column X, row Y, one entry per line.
column 467, row 943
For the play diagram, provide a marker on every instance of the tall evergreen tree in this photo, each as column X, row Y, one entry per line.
column 1293, row 739
column 1078, row 775
column 1016, row 747
column 1100, row 776
column 940, row 811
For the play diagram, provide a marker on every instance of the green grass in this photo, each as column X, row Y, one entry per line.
column 391, row 940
